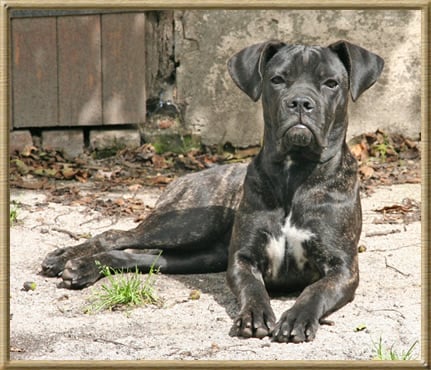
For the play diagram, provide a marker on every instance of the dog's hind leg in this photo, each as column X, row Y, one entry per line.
column 181, row 233
column 84, row 271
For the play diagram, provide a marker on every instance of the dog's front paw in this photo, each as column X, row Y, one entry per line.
column 257, row 321
column 80, row 272
column 296, row 326
column 54, row 262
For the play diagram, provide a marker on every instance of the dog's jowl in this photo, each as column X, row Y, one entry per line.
column 289, row 221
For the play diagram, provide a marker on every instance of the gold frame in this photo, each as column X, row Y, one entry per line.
column 423, row 5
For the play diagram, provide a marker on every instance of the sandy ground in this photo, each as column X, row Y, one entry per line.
column 50, row 323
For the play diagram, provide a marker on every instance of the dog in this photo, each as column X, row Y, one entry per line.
column 289, row 221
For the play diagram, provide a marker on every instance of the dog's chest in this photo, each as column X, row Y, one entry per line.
column 286, row 249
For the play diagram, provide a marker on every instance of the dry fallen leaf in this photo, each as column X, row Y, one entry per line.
column 16, row 349
column 134, row 188
column 366, row 171
column 160, row 180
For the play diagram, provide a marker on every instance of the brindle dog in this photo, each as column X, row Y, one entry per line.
column 288, row 221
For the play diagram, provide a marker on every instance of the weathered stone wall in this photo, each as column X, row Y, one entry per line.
column 215, row 109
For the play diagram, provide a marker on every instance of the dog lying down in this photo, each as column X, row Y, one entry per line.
column 288, row 221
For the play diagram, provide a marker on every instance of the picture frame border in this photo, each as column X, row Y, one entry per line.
column 7, row 6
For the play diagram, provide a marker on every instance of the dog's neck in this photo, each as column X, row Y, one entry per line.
column 294, row 172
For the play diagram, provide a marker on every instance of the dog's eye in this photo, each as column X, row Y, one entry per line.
column 332, row 84
column 276, row 80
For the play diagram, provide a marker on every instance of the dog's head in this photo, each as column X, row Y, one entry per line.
column 305, row 92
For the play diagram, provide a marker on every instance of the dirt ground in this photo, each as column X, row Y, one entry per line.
column 50, row 323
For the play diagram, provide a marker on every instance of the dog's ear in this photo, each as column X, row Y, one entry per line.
column 247, row 66
column 363, row 66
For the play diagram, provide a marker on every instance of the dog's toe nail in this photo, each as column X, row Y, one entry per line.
column 261, row 332
column 246, row 333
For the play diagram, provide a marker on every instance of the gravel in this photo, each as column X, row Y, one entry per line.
column 49, row 323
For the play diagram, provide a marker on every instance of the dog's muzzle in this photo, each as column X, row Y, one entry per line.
column 300, row 128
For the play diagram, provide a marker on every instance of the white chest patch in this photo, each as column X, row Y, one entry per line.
column 289, row 244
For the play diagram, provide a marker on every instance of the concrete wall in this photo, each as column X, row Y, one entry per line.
column 218, row 111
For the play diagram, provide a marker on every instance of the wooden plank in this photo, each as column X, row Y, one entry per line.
column 80, row 90
column 123, row 60
column 34, row 72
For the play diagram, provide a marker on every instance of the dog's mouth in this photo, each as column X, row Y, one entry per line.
column 298, row 135
column 302, row 134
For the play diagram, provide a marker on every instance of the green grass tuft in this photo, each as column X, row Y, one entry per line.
column 13, row 212
column 124, row 290
column 385, row 354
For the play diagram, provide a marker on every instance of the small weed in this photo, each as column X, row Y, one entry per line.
column 383, row 148
column 13, row 212
column 124, row 290
column 390, row 354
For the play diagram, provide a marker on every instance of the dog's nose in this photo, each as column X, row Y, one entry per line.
column 300, row 104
